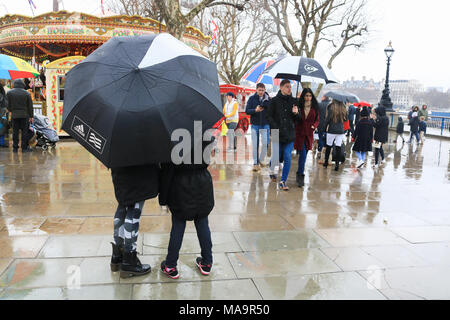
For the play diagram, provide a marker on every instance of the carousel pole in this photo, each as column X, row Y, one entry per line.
column 34, row 65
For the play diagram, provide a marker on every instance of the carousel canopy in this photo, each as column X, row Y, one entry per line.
column 55, row 35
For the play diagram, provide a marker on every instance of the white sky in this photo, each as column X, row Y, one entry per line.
column 418, row 30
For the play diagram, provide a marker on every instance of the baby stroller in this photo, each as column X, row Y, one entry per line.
column 46, row 136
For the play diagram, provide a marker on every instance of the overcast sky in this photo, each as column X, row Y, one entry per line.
column 418, row 30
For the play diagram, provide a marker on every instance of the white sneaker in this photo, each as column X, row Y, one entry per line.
column 360, row 164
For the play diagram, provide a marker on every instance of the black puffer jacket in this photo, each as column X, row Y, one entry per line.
column 381, row 125
column 187, row 189
column 20, row 103
column 280, row 116
column 135, row 184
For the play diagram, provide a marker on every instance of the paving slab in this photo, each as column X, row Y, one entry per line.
column 288, row 262
column 331, row 286
column 206, row 290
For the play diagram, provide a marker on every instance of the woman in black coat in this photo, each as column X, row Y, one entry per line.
column 132, row 186
column 363, row 137
column 381, row 124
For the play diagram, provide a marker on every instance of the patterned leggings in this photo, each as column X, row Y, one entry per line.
column 126, row 225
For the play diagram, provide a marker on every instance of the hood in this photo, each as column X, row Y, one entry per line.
column 380, row 111
column 18, row 83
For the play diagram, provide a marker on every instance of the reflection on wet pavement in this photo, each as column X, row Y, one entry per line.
column 390, row 226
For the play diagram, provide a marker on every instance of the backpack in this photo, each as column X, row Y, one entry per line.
column 341, row 156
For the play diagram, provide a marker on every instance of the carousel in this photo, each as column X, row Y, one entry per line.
column 57, row 41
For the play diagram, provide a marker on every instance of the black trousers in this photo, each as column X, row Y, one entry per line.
column 20, row 124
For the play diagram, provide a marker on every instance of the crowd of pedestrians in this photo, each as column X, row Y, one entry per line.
column 306, row 125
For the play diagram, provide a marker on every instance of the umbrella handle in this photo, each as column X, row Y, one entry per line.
column 296, row 94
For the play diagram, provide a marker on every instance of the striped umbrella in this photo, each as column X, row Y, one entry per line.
column 255, row 73
column 15, row 68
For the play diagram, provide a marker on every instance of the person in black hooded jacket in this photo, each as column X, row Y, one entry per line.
column 188, row 192
column 381, row 124
column 132, row 186
column 20, row 105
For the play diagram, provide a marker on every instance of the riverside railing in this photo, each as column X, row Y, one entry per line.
column 436, row 125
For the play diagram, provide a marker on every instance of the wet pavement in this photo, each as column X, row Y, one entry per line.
column 354, row 234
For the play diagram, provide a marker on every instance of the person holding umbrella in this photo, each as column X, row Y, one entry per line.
column 304, row 130
column 334, row 126
column 282, row 115
column 141, row 92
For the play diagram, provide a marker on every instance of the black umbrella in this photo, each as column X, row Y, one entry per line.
column 342, row 96
column 300, row 69
column 123, row 102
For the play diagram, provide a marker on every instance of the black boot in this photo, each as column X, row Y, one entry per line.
column 131, row 266
column 117, row 257
column 327, row 156
column 336, row 168
column 338, row 153
column 300, row 180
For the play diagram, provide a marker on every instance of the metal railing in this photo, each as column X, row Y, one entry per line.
column 436, row 125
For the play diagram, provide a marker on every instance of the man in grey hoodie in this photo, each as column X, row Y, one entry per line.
column 20, row 105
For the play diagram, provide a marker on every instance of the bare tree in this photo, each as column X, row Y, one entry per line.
column 176, row 21
column 303, row 25
column 144, row 8
column 243, row 38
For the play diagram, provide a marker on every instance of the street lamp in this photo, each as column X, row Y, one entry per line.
column 385, row 98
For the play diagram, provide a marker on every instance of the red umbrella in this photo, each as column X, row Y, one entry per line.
column 362, row 104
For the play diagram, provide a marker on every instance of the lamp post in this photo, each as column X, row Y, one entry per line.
column 385, row 98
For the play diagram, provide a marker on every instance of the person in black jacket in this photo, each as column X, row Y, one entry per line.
column 363, row 137
column 257, row 109
column 400, row 129
column 323, row 105
column 282, row 115
column 188, row 192
column 20, row 105
column 132, row 186
column 381, row 124
column 414, row 124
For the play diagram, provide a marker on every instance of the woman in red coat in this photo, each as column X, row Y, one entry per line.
column 304, row 130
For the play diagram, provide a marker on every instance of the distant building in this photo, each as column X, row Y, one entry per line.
column 438, row 89
column 405, row 92
column 363, row 84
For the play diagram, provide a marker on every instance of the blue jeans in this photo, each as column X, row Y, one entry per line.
column 361, row 156
column 416, row 134
column 264, row 131
column 176, row 240
column 285, row 154
column 302, row 160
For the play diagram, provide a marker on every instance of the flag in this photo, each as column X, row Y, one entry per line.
column 103, row 8
column 32, row 3
column 215, row 32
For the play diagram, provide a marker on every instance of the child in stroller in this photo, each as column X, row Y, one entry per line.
column 46, row 136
